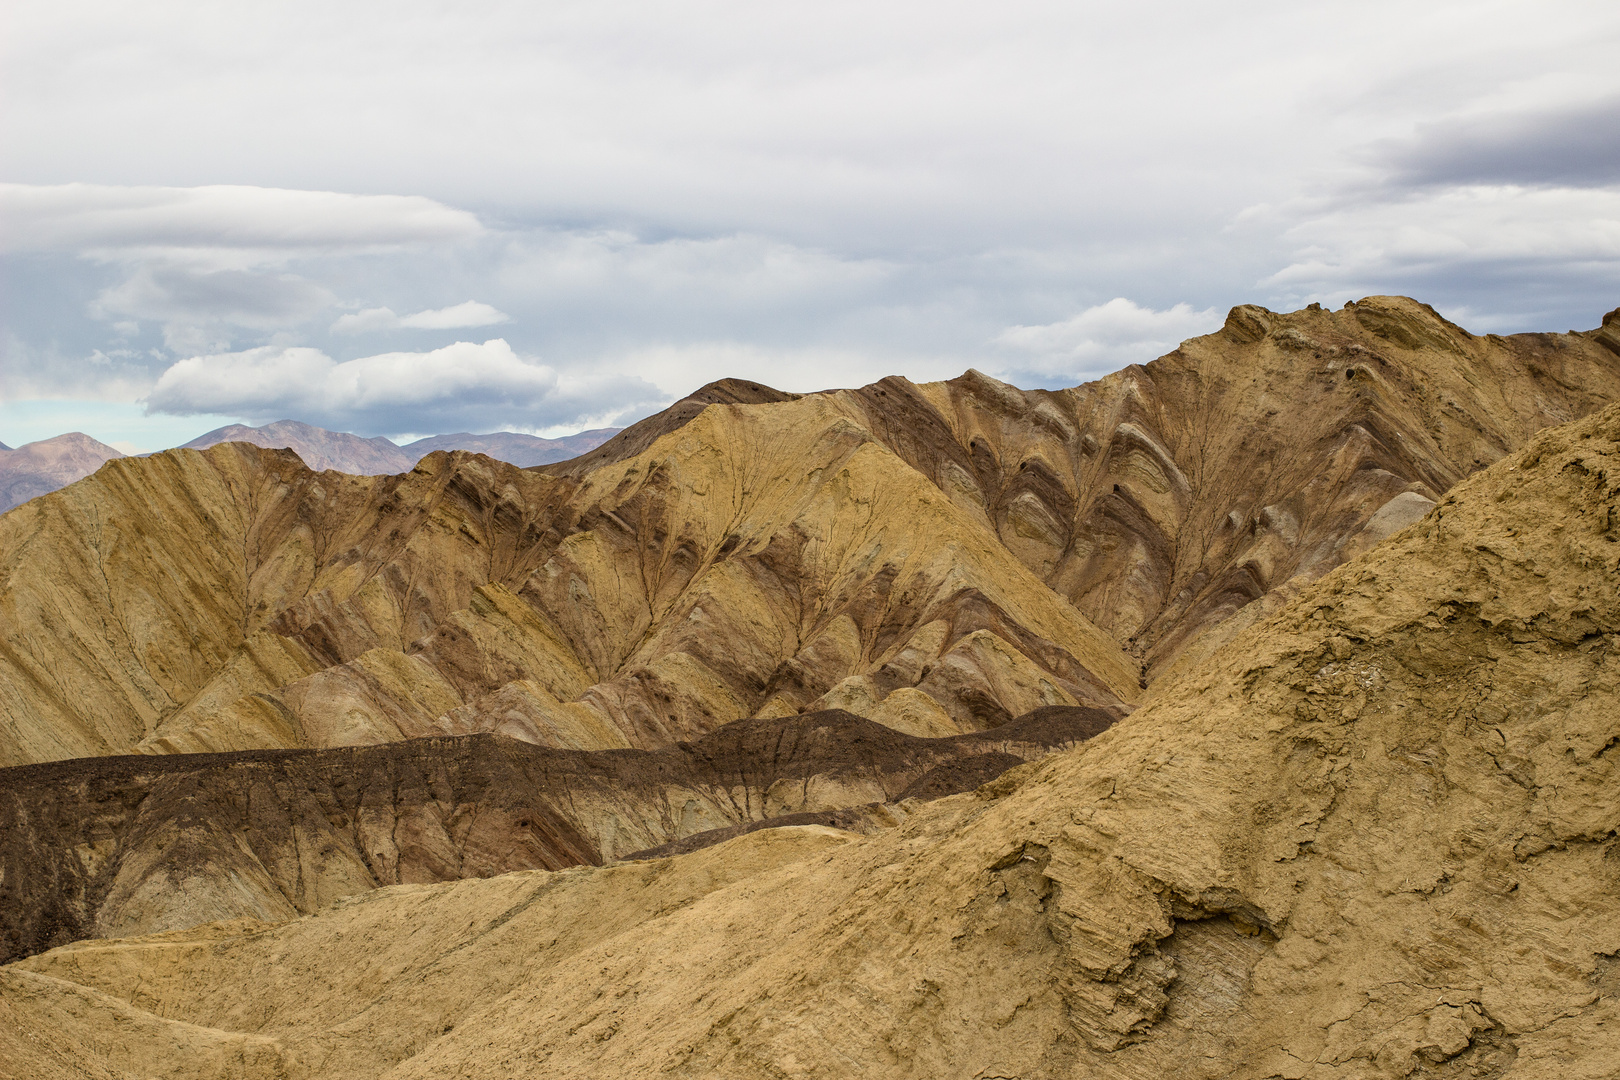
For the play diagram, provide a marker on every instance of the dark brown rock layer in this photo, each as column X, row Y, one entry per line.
column 109, row 846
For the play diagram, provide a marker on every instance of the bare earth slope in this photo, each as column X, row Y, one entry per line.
column 938, row 558
column 748, row 563
column 48, row 464
column 1373, row 837
column 1161, row 499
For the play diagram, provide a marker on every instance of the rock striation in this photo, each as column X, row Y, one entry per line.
column 115, row 846
column 939, row 558
column 1372, row 836
column 232, row 599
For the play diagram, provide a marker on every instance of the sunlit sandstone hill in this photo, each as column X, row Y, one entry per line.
column 1374, row 835
column 938, row 558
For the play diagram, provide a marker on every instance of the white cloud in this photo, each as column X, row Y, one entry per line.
column 679, row 369
column 391, row 391
column 1104, row 338
column 458, row 316
column 1542, row 244
column 1476, row 223
column 218, row 225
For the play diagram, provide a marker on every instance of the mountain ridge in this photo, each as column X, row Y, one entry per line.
column 50, row 464
column 940, row 557
column 1371, row 837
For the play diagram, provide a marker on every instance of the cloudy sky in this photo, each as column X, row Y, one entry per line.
column 410, row 217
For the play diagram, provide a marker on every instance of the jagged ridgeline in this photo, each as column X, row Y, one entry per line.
column 1373, row 834
column 938, row 558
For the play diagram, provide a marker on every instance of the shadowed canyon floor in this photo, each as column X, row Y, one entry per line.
column 1361, row 823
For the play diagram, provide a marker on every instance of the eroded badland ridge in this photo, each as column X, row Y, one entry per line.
column 1364, row 828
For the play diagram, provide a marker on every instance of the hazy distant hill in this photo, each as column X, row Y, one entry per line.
column 322, row 449
column 509, row 446
column 48, row 464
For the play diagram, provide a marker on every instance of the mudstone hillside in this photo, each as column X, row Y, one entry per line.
column 1246, row 713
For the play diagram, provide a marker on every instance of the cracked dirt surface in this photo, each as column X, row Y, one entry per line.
column 1375, row 835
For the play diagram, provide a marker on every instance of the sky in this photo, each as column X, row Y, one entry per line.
column 410, row 218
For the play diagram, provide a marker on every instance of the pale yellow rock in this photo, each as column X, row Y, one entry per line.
column 915, row 713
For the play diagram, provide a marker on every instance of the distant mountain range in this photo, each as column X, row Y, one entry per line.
column 342, row 452
column 48, row 464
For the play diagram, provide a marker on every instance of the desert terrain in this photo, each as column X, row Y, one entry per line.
column 1247, row 713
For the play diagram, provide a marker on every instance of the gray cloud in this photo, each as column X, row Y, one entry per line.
column 230, row 297
column 232, row 223
column 1574, row 146
column 660, row 195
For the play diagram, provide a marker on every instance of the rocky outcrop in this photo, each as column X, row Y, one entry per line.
column 39, row 467
column 1373, row 836
column 939, row 558
column 751, row 563
column 114, row 846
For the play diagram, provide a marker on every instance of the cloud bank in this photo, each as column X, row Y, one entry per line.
column 232, row 224
column 650, row 195
column 1105, row 338
column 486, row 385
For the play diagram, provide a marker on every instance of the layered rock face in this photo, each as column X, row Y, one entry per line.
column 1163, row 498
column 937, row 558
column 109, row 847
column 751, row 563
column 1373, row 836
column 714, row 691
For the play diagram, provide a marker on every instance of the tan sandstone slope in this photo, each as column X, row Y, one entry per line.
column 939, row 558
column 749, row 562
column 1375, row 836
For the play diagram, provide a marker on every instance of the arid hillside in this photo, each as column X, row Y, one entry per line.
column 938, row 558
column 1374, row 835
